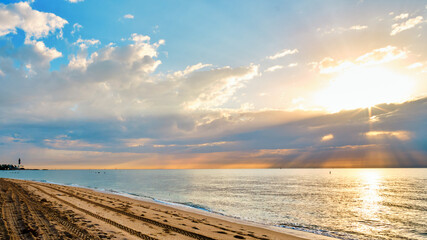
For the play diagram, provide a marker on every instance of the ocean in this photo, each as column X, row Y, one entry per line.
column 341, row 203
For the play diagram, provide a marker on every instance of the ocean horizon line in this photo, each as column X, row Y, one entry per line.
column 219, row 168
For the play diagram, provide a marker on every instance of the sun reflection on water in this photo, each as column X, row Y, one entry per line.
column 370, row 199
column 371, row 184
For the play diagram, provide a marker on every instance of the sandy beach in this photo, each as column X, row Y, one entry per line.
column 34, row 210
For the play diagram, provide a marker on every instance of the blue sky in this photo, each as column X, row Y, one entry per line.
column 213, row 84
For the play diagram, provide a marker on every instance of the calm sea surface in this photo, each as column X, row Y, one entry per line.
column 346, row 203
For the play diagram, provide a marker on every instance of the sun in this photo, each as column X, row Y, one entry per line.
column 364, row 88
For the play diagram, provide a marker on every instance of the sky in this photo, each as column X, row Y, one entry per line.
column 213, row 84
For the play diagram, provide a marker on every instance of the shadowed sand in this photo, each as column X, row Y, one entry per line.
column 33, row 210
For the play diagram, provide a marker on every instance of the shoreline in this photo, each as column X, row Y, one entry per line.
column 184, row 218
column 294, row 231
column 302, row 233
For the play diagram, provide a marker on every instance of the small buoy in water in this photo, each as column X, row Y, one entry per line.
column 329, row 172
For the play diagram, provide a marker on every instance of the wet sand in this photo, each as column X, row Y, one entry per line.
column 33, row 210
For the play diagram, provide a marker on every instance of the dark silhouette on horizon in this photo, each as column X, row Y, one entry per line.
column 10, row 167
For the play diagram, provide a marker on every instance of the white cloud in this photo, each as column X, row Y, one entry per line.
column 160, row 42
column 80, row 62
column 358, row 27
column 75, row 1
column 128, row 16
column 76, row 28
column 410, row 23
column 283, row 53
column 291, row 65
column 69, row 144
column 85, row 43
column 139, row 38
column 35, row 24
column 199, row 145
column 190, row 69
column 136, row 58
column 273, row 68
column 247, row 106
column 327, row 137
column 37, row 56
column 376, row 56
column 341, row 29
column 49, row 53
column 401, row 135
column 206, row 90
column 382, row 55
column 415, row 65
column 401, row 16
column 329, row 65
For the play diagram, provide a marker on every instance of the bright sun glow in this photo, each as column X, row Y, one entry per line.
column 365, row 87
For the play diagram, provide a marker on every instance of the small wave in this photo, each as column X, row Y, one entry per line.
column 193, row 206
column 316, row 230
column 62, row 184
column 133, row 195
column 182, row 204
column 406, row 206
column 197, row 206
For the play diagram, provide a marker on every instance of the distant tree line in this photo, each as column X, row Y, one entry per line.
column 9, row 167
